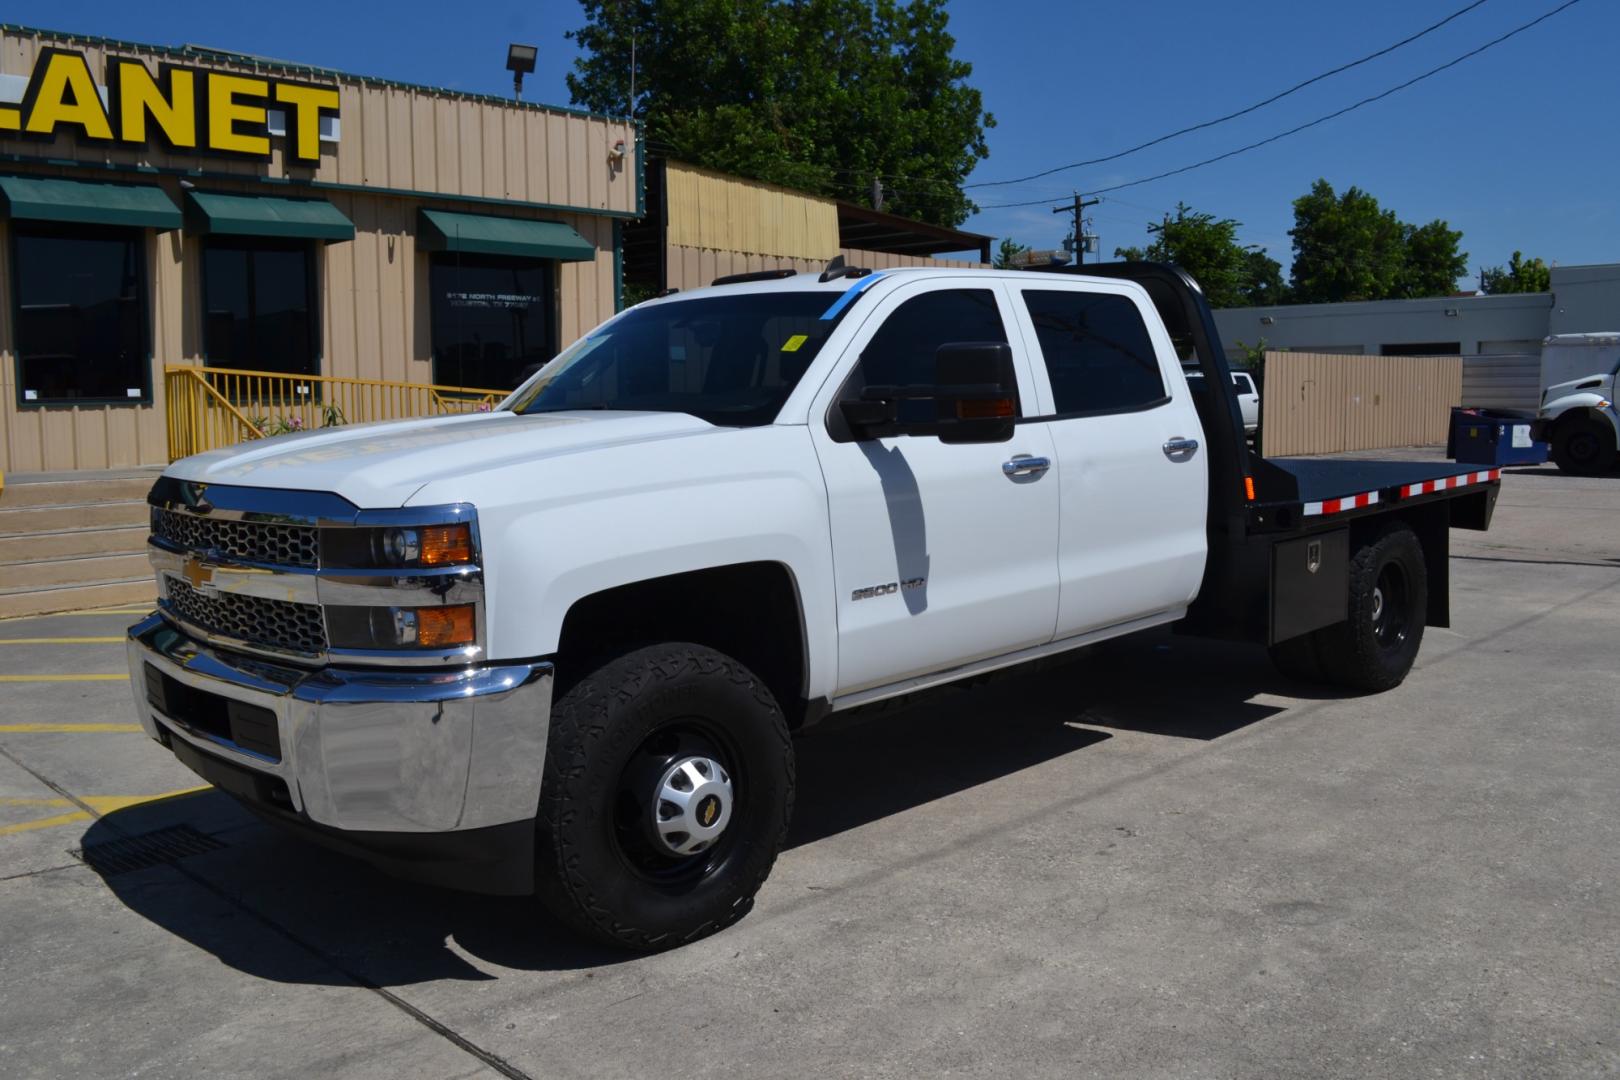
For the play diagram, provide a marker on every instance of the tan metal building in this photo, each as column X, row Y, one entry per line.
column 182, row 206
column 702, row 224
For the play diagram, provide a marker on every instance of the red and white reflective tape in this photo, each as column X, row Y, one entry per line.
column 1334, row 506
column 1447, row 483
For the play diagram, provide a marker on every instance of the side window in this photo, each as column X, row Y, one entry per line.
column 901, row 353
column 1097, row 350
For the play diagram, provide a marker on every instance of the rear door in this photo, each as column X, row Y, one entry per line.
column 942, row 554
column 1131, row 466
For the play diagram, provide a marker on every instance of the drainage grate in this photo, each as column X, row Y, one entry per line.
column 148, row 849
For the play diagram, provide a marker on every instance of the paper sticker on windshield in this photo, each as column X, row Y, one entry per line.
column 792, row 344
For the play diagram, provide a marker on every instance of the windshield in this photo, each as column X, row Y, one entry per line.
column 730, row 360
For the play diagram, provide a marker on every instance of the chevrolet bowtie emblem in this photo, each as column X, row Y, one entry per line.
column 200, row 574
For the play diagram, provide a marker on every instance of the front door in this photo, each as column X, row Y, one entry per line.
column 941, row 554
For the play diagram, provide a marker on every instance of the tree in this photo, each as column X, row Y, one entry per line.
column 1008, row 250
column 827, row 96
column 1521, row 276
column 1231, row 274
column 1433, row 263
column 1347, row 247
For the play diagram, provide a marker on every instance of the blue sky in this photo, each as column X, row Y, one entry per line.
column 1518, row 147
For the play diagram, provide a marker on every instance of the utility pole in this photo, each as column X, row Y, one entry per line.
column 1078, row 210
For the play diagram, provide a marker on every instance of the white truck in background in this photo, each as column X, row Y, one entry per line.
column 1578, row 416
column 562, row 647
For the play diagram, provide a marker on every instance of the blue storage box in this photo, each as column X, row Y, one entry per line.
column 1486, row 437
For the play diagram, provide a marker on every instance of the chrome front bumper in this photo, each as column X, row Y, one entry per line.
column 375, row 751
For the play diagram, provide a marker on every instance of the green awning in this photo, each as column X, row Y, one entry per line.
column 33, row 198
column 255, row 215
column 442, row 230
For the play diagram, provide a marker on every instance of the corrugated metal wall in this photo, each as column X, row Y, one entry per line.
column 693, row 268
column 399, row 137
column 716, row 212
column 1502, row 382
column 1316, row 403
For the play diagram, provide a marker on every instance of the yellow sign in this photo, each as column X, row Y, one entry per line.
column 792, row 344
column 185, row 108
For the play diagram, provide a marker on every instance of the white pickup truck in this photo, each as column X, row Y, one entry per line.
column 562, row 648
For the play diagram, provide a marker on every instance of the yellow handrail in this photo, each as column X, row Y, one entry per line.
column 209, row 407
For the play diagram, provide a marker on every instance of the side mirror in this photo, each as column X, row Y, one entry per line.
column 974, row 393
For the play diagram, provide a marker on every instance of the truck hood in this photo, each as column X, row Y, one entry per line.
column 382, row 465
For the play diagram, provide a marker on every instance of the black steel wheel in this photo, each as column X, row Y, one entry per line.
column 1389, row 596
column 667, row 792
column 1583, row 446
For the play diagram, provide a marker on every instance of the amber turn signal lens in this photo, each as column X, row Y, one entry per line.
column 446, row 545
column 994, row 409
column 439, row 627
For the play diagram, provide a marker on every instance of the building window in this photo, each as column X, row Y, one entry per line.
column 1098, row 354
column 81, row 314
column 259, row 305
column 494, row 322
column 1422, row 348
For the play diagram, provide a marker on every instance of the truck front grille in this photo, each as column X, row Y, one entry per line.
column 251, row 541
column 256, row 620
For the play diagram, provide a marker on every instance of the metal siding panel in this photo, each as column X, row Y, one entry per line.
column 374, row 136
column 470, row 139
column 535, row 142
column 401, row 150
column 556, row 163
column 495, row 183
column 393, row 285
column 447, row 145
column 349, row 156
column 513, row 141
column 578, row 183
column 424, row 144
column 367, row 305
column 338, row 338
column 596, row 164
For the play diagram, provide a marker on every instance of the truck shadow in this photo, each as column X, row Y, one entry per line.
column 276, row 908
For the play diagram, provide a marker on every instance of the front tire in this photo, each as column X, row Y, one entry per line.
column 1583, row 446
column 667, row 791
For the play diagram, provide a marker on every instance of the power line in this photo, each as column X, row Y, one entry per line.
column 1241, row 112
column 1312, row 123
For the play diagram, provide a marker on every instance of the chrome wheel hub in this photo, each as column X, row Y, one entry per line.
column 692, row 806
column 1377, row 604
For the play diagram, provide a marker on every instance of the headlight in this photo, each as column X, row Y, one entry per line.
column 443, row 627
column 402, row 547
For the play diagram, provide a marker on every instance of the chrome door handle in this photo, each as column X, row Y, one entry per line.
column 1179, row 445
column 1024, row 465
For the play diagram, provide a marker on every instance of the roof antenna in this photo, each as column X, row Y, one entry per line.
column 836, row 269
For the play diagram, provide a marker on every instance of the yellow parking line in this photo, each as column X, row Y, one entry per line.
column 62, row 678
column 44, row 823
column 61, row 640
column 31, row 729
column 101, row 804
